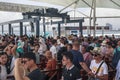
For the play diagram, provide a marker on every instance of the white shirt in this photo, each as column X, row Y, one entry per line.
column 103, row 69
column 3, row 74
column 117, row 77
column 42, row 48
column 12, row 65
column 53, row 49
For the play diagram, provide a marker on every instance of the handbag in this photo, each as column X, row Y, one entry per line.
column 93, row 78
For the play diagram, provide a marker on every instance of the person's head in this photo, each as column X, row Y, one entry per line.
column 83, row 49
column 69, row 47
column 54, row 42
column 11, row 45
column 76, row 45
column 3, row 58
column 118, row 43
column 62, row 40
column 97, row 54
column 109, row 44
column 48, row 54
column 67, row 58
column 29, row 60
column 36, row 47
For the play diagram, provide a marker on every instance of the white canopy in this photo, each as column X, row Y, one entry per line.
column 85, row 3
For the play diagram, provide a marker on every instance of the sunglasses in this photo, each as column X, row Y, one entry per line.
column 95, row 55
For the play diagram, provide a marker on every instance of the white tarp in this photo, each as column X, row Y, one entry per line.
column 99, row 3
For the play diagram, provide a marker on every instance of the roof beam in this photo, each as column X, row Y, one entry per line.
column 75, row 2
column 115, row 3
column 12, row 7
column 87, row 4
column 20, row 20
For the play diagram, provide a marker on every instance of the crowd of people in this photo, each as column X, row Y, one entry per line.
column 34, row 58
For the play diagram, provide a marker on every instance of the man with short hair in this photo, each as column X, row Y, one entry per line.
column 78, row 60
column 70, row 72
column 28, row 63
column 54, row 49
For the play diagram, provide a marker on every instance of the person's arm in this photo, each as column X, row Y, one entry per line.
column 84, row 66
column 14, row 50
column 19, row 70
column 104, row 77
column 6, row 48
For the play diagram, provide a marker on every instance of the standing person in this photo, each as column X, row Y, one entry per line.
column 116, row 55
column 37, row 55
column 29, row 64
column 117, row 77
column 102, row 73
column 78, row 59
column 70, row 72
column 12, row 55
column 43, row 46
column 3, row 70
column 53, row 49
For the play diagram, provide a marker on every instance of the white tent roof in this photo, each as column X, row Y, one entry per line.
column 81, row 4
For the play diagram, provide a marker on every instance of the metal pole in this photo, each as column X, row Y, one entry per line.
column 37, row 28
column 44, row 27
column 90, row 17
column 9, row 25
column 2, row 29
column 94, row 18
column 81, row 28
column 59, row 30
column 69, row 5
column 21, row 28
column 103, row 31
column 12, row 31
column 25, row 30
column 32, row 27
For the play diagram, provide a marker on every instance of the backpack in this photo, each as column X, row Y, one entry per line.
column 115, row 58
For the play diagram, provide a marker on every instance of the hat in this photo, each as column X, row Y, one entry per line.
column 96, row 51
column 104, row 42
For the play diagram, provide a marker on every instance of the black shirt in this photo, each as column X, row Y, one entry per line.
column 36, row 75
column 71, row 74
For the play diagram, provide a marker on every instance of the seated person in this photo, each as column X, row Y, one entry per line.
column 3, row 61
column 70, row 72
column 51, row 64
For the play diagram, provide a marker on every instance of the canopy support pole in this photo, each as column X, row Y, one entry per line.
column 94, row 18
column 87, row 4
column 115, row 3
column 90, row 18
column 75, row 2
